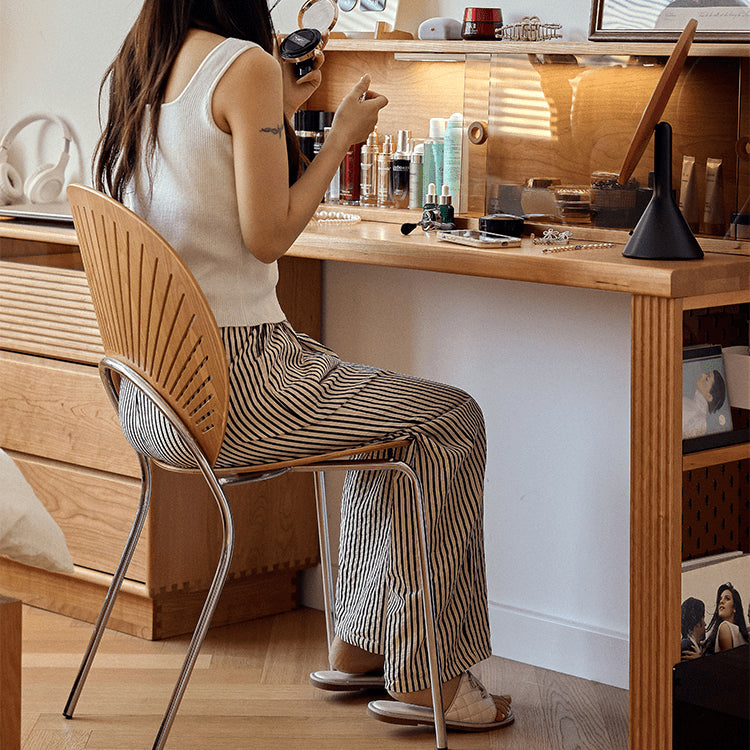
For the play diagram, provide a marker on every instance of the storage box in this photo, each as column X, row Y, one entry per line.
column 737, row 369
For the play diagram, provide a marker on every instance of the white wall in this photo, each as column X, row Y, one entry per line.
column 549, row 366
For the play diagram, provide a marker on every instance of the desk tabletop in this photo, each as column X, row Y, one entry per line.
column 378, row 243
column 382, row 244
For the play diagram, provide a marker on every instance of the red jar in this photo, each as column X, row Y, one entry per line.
column 480, row 23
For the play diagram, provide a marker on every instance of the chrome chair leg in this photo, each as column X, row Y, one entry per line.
column 325, row 556
column 207, row 613
column 428, row 596
column 428, row 606
column 114, row 588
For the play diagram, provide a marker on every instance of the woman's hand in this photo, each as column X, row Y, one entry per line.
column 357, row 115
column 298, row 90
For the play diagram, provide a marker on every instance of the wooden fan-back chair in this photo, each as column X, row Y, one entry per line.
column 160, row 334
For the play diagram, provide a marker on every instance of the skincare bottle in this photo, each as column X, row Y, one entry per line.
column 430, row 200
column 713, row 209
column 305, row 126
column 433, row 152
column 332, row 193
column 400, row 170
column 689, row 193
column 368, row 191
column 452, row 155
column 416, row 179
column 385, row 194
column 350, row 176
column 445, row 206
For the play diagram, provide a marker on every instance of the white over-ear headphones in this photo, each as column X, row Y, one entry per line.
column 45, row 184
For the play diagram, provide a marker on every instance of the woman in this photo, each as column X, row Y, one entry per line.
column 727, row 628
column 198, row 143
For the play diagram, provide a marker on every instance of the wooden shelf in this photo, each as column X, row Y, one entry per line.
column 461, row 47
column 714, row 456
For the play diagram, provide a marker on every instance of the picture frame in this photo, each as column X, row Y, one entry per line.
column 701, row 580
column 706, row 412
column 664, row 20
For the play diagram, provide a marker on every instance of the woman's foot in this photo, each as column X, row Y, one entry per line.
column 471, row 688
column 353, row 660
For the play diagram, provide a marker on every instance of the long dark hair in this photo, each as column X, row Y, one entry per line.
column 138, row 77
column 739, row 617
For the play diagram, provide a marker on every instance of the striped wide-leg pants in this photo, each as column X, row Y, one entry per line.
column 292, row 397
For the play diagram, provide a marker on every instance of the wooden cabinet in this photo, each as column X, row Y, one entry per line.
column 59, row 427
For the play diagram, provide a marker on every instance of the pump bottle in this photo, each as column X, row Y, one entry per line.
column 400, row 170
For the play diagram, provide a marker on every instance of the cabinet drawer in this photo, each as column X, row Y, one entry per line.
column 48, row 311
column 59, row 410
column 93, row 509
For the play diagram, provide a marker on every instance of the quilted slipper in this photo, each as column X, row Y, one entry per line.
column 343, row 681
column 471, row 710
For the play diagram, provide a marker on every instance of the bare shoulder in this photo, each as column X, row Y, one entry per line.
column 254, row 64
column 252, row 83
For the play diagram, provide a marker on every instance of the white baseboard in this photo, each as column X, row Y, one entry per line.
column 561, row 645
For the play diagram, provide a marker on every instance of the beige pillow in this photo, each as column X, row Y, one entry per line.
column 28, row 533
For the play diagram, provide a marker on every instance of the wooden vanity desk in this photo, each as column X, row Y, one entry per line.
column 660, row 292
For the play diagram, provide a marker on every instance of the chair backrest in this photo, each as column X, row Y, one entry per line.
column 152, row 314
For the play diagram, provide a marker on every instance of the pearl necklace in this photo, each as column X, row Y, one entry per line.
column 335, row 218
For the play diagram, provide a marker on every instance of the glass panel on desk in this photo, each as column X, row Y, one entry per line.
column 560, row 126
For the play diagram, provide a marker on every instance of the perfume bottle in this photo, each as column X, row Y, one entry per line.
column 400, row 164
column 385, row 193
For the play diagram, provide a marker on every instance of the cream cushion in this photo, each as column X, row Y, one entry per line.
column 28, row 533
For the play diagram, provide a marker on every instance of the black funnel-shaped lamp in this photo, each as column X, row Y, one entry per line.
column 662, row 232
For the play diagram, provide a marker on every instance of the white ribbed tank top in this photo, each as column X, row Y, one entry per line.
column 192, row 202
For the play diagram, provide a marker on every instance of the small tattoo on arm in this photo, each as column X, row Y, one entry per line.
column 278, row 130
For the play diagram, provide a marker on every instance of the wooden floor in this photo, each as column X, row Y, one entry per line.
column 250, row 691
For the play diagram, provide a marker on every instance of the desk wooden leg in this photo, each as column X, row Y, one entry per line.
column 10, row 673
column 656, row 517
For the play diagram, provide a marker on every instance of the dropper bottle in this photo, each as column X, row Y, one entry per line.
column 445, row 206
column 430, row 200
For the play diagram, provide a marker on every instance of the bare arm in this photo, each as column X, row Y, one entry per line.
column 249, row 102
column 724, row 637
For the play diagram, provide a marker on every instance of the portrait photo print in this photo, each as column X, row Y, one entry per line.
column 705, row 401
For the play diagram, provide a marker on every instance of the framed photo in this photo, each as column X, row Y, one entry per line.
column 664, row 20
column 705, row 399
column 704, row 580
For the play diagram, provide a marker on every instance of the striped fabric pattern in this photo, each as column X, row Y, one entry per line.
column 292, row 397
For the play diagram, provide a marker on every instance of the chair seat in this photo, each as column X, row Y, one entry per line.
column 314, row 460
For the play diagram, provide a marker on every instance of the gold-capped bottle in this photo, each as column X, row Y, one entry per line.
column 385, row 192
column 368, row 191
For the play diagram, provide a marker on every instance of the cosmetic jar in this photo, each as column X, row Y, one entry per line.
column 480, row 23
column 573, row 204
column 299, row 47
column 502, row 224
